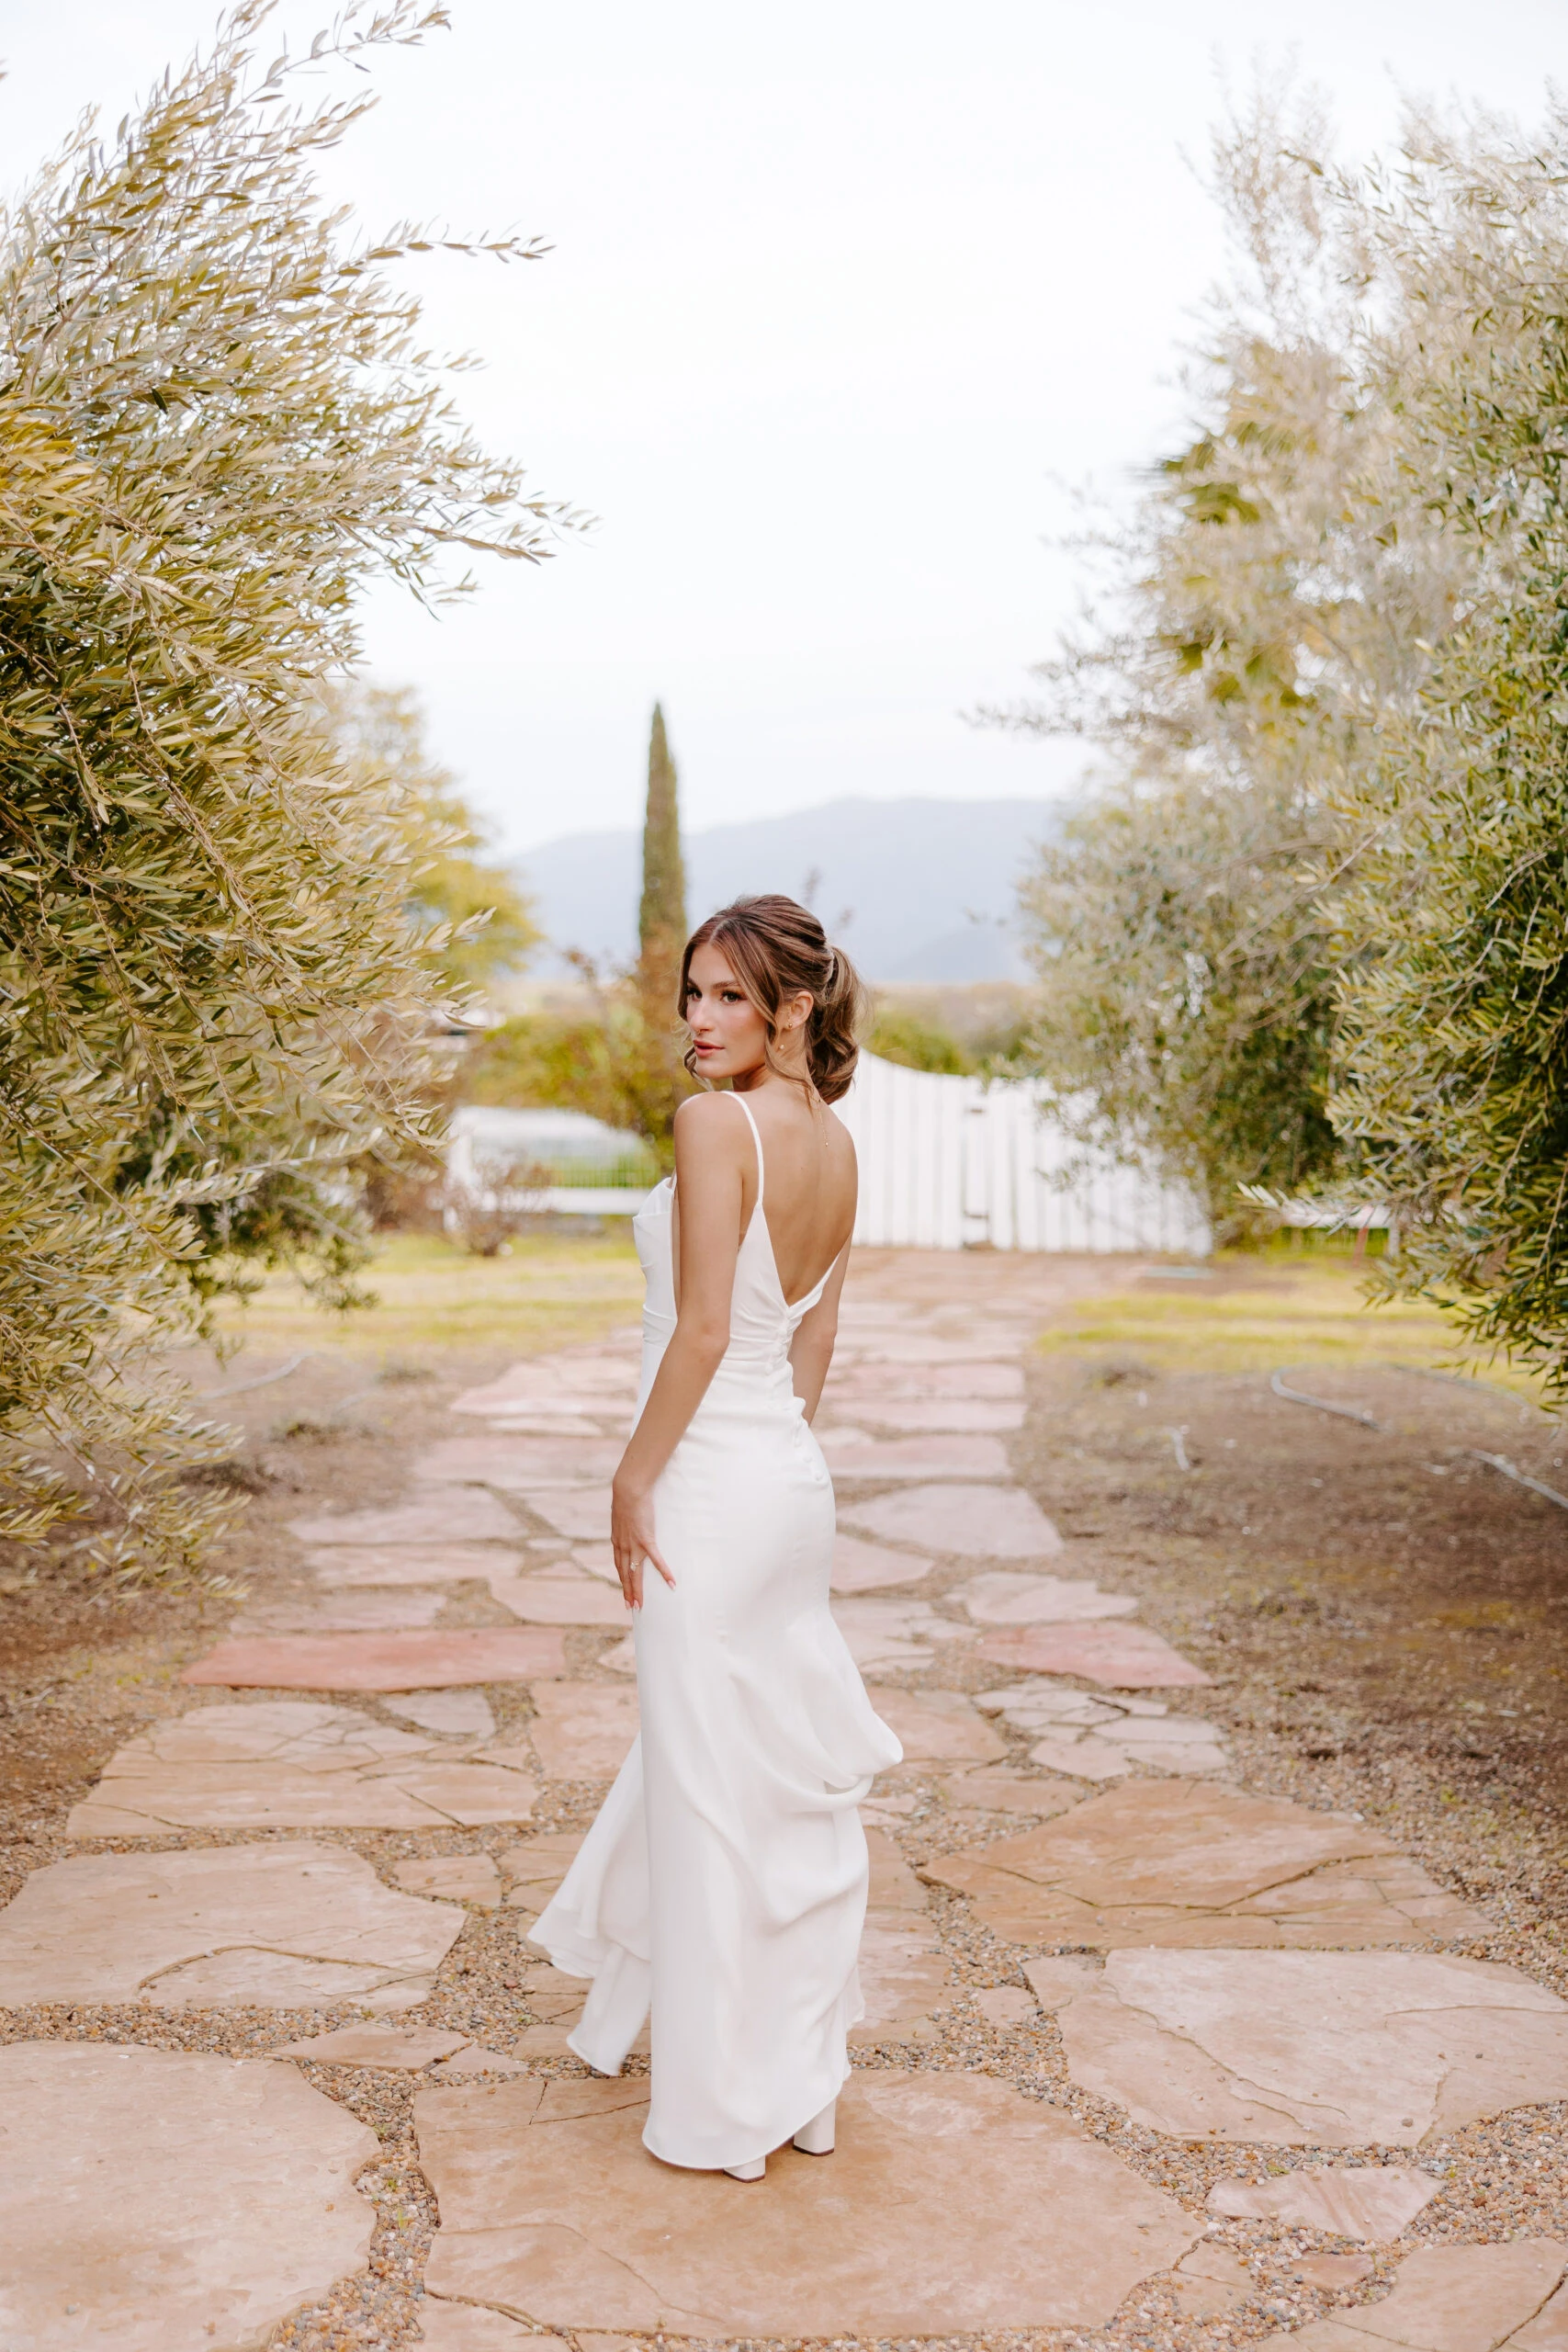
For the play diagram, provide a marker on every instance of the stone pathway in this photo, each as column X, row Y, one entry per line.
column 1145, row 2055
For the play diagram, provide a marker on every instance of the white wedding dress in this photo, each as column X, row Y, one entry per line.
column 724, row 1881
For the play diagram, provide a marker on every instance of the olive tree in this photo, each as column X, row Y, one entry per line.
column 216, row 424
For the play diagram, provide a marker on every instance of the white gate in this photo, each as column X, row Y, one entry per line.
column 950, row 1163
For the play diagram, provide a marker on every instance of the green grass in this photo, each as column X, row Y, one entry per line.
column 1263, row 1312
column 432, row 1295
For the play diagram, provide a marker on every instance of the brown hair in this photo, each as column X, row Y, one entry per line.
column 778, row 950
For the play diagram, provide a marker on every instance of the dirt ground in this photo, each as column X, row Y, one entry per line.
column 1380, row 1610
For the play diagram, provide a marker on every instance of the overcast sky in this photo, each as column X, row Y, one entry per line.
column 837, row 293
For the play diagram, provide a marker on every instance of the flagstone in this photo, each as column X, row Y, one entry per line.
column 402, row 2048
column 927, row 2220
column 452, row 1878
column 620, row 1657
column 1006, row 1597
column 535, row 1867
column 1128, row 1657
column 411, row 1564
column 279, row 1925
column 515, row 1463
column 1005, row 2005
column 913, row 1348
column 972, row 1523
column 552, row 1383
column 540, row 1421
column 573, row 1599
column 465, row 2064
column 936, row 1727
column 1335, row 2270
column 1374, row 2201
column 582, row 1731
column 599, row 1560
column 895, row 1633
column 410, row 1661
column 854, row 1385
column 1452, row 2299
column 452, row 1519
column 464, row 2327
column 943, row 1413
column 854, row 1456
column 462, row 1715
column 863, row 1568
column 293, row 1764
column 348, row 1612
column 577, row 1511
column 1212, row 2280
column 1061, row 1977
column 1328, row 2048
column 163, row 2201
column 1175, row 1863
column 1001, row 1788
column 904, row 1975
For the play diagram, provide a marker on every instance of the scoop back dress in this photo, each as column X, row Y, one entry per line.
column 724, row 1881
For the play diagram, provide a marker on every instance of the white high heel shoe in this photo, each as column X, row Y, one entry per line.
column 816, row 2138
column 748, row 2172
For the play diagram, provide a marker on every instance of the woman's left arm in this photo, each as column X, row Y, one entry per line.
column 710, row 1141
column 812, row 1352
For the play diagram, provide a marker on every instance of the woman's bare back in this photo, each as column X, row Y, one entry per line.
column 809, row 1195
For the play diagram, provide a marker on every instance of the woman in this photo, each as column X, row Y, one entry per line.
column 724, row 1879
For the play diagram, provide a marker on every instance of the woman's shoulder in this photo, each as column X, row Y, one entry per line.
column 710, row 1121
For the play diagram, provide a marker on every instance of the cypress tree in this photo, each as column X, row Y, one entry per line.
column 661, row 918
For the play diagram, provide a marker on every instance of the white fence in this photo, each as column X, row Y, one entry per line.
column 951, row 1163
column 945, row 1164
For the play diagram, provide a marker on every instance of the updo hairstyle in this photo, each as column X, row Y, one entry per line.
column 777, row 950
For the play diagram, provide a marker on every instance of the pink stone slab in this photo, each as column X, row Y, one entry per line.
column 1372, row 2201
column 292, row 1764
column 467, row 2327
column 402, row 2048
column 853, row 1456
column 539, row 1424
column 984, row 1522
column 866, row 1567
column 562, row 1600
column 516, row 1462
column 467, row 2065
column 535, row 1867
column 1452, row 2299
column 411, row 1564
column 461, row 1714
column 936, row 1727
column 1003, row 1597
column 348, row 1612
column 451, row 1520
column 1182, row 1863
column 552, row 1382
column 582, row 1512
column 1121, row 1657
column 582, row 1730
column 452, row 1878
column 938, row 1413
column 934, row 1380
column 926, row 2221
column 156, row 2200
column 1327, row 2049
column 419, row 1661
column 123, row 1927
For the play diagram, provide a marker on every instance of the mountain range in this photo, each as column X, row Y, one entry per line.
column 913, row 889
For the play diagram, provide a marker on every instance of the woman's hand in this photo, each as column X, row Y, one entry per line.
column 632, row 1538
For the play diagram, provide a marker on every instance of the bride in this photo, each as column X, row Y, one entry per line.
column 724, row 1881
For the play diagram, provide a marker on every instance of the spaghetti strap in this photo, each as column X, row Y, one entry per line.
column 757, row 1140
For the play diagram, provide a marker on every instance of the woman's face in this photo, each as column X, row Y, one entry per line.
column 729, row 1036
